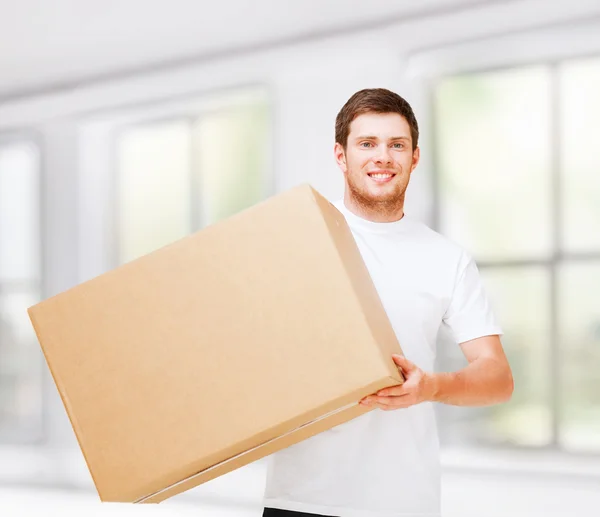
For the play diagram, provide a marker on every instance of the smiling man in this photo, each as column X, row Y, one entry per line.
column 385, row 463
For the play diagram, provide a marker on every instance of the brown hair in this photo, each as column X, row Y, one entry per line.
column 374, row 100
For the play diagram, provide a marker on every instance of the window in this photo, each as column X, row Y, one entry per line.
column 178, row 175
column 518, row 185
column 21, row 361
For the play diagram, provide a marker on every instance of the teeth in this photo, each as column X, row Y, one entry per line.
column 381, row 176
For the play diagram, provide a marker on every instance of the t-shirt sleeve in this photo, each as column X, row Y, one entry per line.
column 469, row 314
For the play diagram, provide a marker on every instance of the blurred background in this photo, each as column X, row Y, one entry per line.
column 127, row 125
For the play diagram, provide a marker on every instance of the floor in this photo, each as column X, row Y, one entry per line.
column 475, row 494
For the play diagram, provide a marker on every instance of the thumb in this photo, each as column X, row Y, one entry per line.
column 403, row 363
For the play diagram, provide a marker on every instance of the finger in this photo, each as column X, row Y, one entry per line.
column 393, row 391
column 386, row 401
column 376, row 405
column 371, row 401
column 391, row 407
column 406, row 365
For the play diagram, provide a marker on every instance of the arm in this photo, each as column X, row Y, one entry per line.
column 486, row 380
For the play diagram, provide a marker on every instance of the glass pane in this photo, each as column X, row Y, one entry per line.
column 520, row 298
column 580, row 186
column 579, row 310
column 153, row 187
column 232, row 149
column 19, row 212
column 493, row 156
column 21, row 363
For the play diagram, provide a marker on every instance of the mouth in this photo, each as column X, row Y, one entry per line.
column 381, row 176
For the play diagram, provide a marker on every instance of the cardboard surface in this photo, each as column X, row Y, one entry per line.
column 219, row 349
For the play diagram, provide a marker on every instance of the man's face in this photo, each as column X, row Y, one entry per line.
column 378, row 161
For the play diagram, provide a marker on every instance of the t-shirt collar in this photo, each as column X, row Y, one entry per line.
column 355, row 221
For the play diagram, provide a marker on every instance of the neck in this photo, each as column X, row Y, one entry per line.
column 382, row 212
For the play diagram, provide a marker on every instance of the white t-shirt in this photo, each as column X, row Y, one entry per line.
column 386, row 463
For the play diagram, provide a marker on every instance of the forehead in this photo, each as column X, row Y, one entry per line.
column 383, row 125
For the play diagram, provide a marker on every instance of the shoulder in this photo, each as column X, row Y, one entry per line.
column 438, row 243
column 440, row 255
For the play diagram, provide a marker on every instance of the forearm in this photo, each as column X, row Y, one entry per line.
column 483, row 382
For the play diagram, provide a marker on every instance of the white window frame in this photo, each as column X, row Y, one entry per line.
column 546, row 46
column 98, row 237
column 38, row 436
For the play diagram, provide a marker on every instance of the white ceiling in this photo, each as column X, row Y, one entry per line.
column 48, row 44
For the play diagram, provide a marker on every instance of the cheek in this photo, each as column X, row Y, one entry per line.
column 407, row 162
column 356, row 165
column 355, row 157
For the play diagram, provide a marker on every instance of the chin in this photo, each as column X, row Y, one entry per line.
column 383, row 194
column 375, row 194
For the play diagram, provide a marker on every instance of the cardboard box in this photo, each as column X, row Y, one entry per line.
column 219, row 349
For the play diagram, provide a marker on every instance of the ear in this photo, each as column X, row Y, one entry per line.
column 340, row 157
column 415, row 158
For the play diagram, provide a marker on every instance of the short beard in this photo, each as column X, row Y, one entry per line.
column 383, row 207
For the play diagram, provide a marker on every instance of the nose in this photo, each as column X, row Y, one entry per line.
column 383, row 156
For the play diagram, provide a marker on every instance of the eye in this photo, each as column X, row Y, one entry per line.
column 399, row 146
column 365, row 144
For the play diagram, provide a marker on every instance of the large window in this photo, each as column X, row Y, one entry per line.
column 518, row 185
column 21, row 361
column 175, row 176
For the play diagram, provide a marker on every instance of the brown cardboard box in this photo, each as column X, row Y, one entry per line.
column 219, row 349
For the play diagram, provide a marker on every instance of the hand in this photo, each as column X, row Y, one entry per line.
column 418, row 387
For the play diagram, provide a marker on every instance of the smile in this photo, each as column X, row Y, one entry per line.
column 381, row 177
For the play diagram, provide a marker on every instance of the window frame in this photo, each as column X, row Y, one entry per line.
column 98, row 237
column 17, row 436
column 428, row 80
column 197, row 220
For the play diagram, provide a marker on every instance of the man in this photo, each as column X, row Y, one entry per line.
column 385, row 463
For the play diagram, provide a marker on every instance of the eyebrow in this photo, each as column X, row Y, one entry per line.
column 372, row 137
